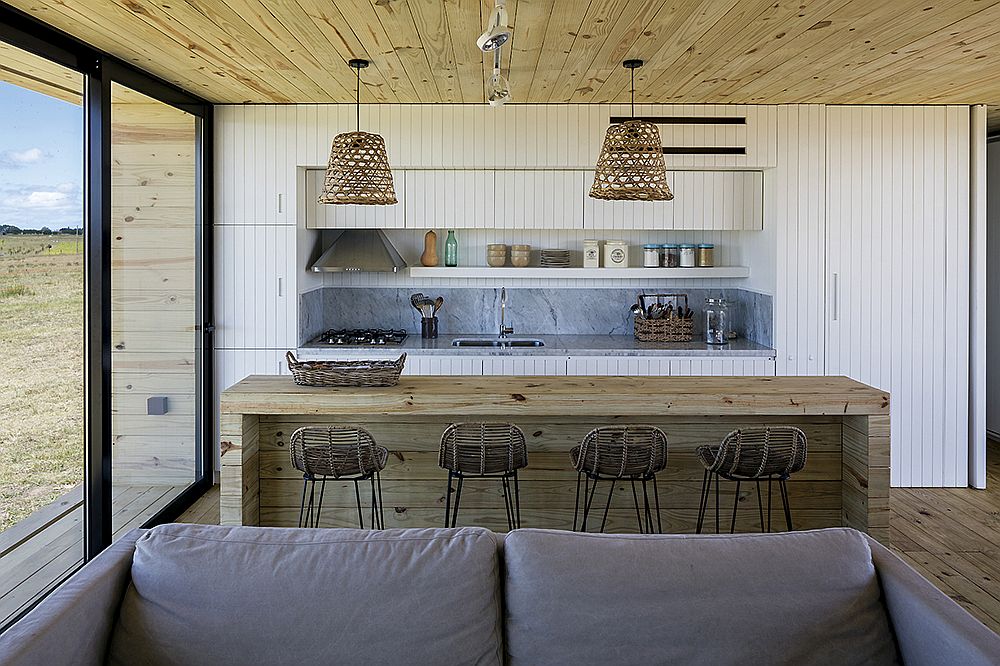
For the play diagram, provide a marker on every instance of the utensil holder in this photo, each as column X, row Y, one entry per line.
column 428, row 327
column 669, row 329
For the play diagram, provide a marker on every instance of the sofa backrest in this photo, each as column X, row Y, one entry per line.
column 239, row 595
column 797, row 598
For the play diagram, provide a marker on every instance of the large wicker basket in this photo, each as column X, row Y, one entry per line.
column 666, row 329
column 345, row 373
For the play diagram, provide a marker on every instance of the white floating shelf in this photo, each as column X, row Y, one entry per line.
column 508, row 272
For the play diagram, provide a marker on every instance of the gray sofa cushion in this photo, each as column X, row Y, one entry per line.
column 798, row 598
column 242, row 595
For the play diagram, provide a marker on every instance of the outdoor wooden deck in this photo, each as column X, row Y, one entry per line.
column 38, row 552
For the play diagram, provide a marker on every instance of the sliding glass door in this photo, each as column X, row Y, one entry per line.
column 105, row 221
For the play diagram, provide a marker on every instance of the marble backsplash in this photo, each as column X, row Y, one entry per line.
column 529, row 310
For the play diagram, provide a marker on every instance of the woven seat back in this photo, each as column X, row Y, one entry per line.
column 622, row 451
column 483, row 448
column 336, row 451
column 761, row 451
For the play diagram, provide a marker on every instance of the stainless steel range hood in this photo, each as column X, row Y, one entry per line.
column 367, row 250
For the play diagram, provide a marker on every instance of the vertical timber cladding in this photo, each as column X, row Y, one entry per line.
column 413, row 485
column 153, row 289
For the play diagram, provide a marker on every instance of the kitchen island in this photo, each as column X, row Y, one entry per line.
column 845, row 480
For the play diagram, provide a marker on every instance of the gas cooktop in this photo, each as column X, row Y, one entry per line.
column 368, row 337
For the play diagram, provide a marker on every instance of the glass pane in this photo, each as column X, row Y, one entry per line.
column 154, row 269
column 41, row 327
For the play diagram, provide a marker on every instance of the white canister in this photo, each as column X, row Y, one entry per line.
column 687, row 256
column 615, row 254
column 591, row 253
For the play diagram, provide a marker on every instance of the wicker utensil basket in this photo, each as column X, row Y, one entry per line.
column 665, row 329
column 345, row 373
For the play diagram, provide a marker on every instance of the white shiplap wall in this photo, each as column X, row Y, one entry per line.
column 869, row 191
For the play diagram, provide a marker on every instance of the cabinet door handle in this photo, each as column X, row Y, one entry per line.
column 836, row 296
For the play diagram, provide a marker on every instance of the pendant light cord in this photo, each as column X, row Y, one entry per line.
column 358, row 98
column 632, row 71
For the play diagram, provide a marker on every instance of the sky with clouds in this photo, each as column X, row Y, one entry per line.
column 41, row 160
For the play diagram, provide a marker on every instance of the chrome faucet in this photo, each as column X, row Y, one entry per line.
column 504, row 330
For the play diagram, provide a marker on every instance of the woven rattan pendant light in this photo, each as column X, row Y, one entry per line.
column 358, row 171
column 631, row 166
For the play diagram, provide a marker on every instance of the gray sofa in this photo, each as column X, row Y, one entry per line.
column 193, row 594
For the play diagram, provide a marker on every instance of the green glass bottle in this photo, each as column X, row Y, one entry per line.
column 451, row 250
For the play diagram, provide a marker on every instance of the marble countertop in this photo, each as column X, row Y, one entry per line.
column 555, row 345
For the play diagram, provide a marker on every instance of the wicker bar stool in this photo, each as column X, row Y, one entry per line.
column 483, row 450
column 613, row 453
column 343, row 453
column 752, row 454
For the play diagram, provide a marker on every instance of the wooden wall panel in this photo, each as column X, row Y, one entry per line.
column 154, row 312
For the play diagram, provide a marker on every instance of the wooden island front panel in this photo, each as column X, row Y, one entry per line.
column 845, row 480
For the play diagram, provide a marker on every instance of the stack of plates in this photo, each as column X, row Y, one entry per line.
column 555, row 258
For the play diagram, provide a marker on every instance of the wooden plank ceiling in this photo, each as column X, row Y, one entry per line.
column 714, row 51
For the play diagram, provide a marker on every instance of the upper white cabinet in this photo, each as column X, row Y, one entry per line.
column 449, row 199
column 545, row 199
column 349, row 216
column 714, row 200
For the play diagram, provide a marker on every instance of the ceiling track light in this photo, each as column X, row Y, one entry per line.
column 631, row 166
column 498, row 90
column 358, row 171
column 497, row 33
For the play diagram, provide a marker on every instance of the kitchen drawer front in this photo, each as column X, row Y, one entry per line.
column 733, row 366
column 349, row 216
column 703, row 200
column 664, row 366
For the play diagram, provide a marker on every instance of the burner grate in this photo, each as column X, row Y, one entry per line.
column 367, row 337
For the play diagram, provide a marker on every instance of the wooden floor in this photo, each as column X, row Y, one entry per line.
column 950, row 535
column 37, row 553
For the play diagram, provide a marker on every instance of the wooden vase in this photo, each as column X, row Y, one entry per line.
column 430, row 255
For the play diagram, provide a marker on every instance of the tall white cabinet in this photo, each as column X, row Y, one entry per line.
column 898, row 276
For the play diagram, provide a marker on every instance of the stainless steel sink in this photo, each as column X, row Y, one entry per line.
column 497, row 342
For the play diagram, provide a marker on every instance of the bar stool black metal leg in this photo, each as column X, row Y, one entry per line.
column 645, row 508
column 319, row 506
column 607, row 505
column 706, row 488
column 447, row 500
column 760, row 506
column 302, row 507
column 656, row 498
column 769, row 504
column 718, row 481
column 458, row 499
column 375, row 522
column 507, row 504
column 784, row 501
column 588, row 500
column 576, row 502
column 736, row 503
column 381, row 507
column 635, row 500
column 517, row 502
column 357, row 497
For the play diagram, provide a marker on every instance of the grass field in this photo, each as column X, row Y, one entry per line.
column 41, row 371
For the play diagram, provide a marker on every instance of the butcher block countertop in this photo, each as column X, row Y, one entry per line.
column 455, row 396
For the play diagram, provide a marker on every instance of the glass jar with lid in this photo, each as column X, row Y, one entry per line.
column 687, row 255
column 716, row 321
column 705, row 255
column 650, row 256
column 671, row 255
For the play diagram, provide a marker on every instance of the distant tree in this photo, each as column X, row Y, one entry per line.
column 45, row 231
column 9, row 230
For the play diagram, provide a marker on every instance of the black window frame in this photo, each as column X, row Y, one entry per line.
column 99, row 71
